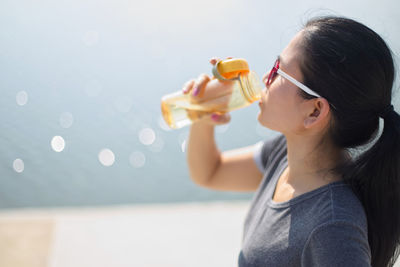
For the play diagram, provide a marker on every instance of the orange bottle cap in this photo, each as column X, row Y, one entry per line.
column 230, row 69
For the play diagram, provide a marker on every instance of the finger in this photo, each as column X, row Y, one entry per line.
column 214, row 60
column 200, row 85
column 187, row 87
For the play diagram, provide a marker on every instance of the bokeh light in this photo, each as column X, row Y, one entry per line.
column 57, row 143
column 18, row 165
column 106, row 157
column 147, row 136
column 22, row 98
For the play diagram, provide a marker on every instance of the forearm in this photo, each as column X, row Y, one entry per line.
column 203, row 156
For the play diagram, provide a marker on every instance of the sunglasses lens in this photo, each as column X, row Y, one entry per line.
column 273, row 73
column 271, row 76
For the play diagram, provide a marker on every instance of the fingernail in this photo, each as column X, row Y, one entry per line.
column 215, row 117
column 196, row 91
column 186, row 90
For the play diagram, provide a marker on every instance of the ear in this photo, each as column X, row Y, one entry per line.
column 317, row 113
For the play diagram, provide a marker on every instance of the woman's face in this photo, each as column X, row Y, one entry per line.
column 280, row 104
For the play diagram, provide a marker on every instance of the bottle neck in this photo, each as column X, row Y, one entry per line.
column 251, row 86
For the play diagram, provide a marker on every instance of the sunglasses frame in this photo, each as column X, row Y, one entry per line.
column 276, row 70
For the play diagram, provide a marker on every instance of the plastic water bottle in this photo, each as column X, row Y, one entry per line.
column 233, row 86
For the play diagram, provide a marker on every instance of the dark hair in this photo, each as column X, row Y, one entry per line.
column 352, row 67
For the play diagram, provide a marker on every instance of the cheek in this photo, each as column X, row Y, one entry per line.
column 278, row 109
column 276, row 98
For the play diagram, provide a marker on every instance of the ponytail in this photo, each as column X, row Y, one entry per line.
column 375, row 178
column 352, row 67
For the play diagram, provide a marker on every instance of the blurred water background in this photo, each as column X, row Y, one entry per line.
column 81, row 83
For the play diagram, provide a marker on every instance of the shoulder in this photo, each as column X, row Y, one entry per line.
column 345, row 206
column 278, row 142
column 266, row 151
column 340, row 238
column 333, row 202
column 273, row 148
column 336, row 202
column 337, row 243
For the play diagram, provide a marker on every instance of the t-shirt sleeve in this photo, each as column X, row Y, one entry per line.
column 257, row 156
column 263, row 151
column 337, row 244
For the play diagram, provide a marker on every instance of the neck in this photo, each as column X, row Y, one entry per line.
column 310, row 162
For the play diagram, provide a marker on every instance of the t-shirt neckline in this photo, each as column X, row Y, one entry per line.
column 299, row 198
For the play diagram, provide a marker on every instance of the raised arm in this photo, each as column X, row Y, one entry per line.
column 233, row 170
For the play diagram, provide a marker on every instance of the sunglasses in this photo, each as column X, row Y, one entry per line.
column 275, row 71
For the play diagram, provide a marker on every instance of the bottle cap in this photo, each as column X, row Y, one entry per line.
column 229, row 69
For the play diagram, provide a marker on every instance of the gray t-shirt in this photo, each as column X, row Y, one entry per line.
column 323, row 227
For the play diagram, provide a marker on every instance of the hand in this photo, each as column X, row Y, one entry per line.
column 197, row 88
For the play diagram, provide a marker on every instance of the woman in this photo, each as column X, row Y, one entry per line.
column 316, row 204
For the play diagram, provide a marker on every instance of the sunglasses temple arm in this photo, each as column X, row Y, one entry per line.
column 298, row 84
